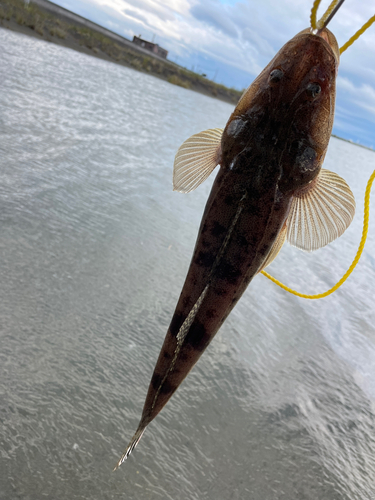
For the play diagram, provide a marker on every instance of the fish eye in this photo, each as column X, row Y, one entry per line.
column 276, row 75
column 313, row 89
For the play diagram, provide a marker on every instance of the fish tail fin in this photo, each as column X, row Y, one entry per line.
column 133, row 443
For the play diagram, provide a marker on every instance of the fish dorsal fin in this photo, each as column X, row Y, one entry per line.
column 321, row 212
column 196, row 158
column 276, row 247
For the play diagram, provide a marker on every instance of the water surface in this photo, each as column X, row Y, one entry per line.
column 94, row 250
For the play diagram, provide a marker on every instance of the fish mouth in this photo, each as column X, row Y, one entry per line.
column 330, row 38
column 322, row 31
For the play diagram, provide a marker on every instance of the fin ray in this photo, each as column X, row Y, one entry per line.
column 276, row 247
column 320, row 213
column 196, row 158
column 133, row 443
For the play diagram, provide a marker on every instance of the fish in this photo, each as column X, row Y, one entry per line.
column 270, row 188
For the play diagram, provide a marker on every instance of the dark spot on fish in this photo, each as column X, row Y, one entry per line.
column 186, row 301
column 167, row 388
column 204, row 229
column 204, row 259
column 253, row 240
column 220, row 291
column 211, row 313
column 217, row 229
column 156, row 381
column 228, row 272
column 253, row 210
column 183, row 356
column 248, row 279
column 166, row 355
column 197, row 337
column 264, row 249
column 176, row 323
column 205, row 243
column 242, row 240
column 229, row 199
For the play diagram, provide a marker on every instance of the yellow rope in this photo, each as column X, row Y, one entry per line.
column 314, row 10
column 323, row 19
column 356, row 258
column 357, row 35
column 315, row 25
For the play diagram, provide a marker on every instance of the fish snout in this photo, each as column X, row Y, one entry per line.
column 330, row 38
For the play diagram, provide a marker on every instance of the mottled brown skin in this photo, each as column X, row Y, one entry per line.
column 273, row 146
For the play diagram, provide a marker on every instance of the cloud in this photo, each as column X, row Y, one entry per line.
column 362, row 95
column 234, row 39
column 149, row 7
column 135, row 15
column 208, row 14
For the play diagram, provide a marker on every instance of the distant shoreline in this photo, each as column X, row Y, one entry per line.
column 47, row 21
column 62, row 27
column 354, row 143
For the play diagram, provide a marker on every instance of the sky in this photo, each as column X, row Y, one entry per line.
column 231, row 41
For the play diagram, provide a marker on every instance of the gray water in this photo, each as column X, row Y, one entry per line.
column 94, row 248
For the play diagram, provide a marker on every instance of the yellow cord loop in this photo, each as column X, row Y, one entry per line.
column 325, row 16
column 356, row 258
column 314, row 10
column 315, row 25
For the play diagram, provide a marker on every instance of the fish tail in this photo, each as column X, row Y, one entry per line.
column 133, row 443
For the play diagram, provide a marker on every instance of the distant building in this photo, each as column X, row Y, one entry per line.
column 152, row 47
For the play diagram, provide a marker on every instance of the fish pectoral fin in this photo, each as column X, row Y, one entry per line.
column 276, row 247
column 321, row 212
column 196, row 158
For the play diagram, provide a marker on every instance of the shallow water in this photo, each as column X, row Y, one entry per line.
column 95, row 247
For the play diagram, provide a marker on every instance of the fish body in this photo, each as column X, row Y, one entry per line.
column 270, row 155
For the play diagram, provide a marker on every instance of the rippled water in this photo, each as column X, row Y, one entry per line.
column 94, row 250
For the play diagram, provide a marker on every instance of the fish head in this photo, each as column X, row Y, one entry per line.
column 289, row 109
column 311, row 64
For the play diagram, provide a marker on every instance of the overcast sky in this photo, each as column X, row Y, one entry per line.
column 232, row 40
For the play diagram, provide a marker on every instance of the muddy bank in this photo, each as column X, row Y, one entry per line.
column 60, row 28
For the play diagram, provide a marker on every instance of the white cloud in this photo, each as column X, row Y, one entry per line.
column 243, row 35
column 362, row 95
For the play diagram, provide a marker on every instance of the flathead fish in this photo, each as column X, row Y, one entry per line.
column 270, row 188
